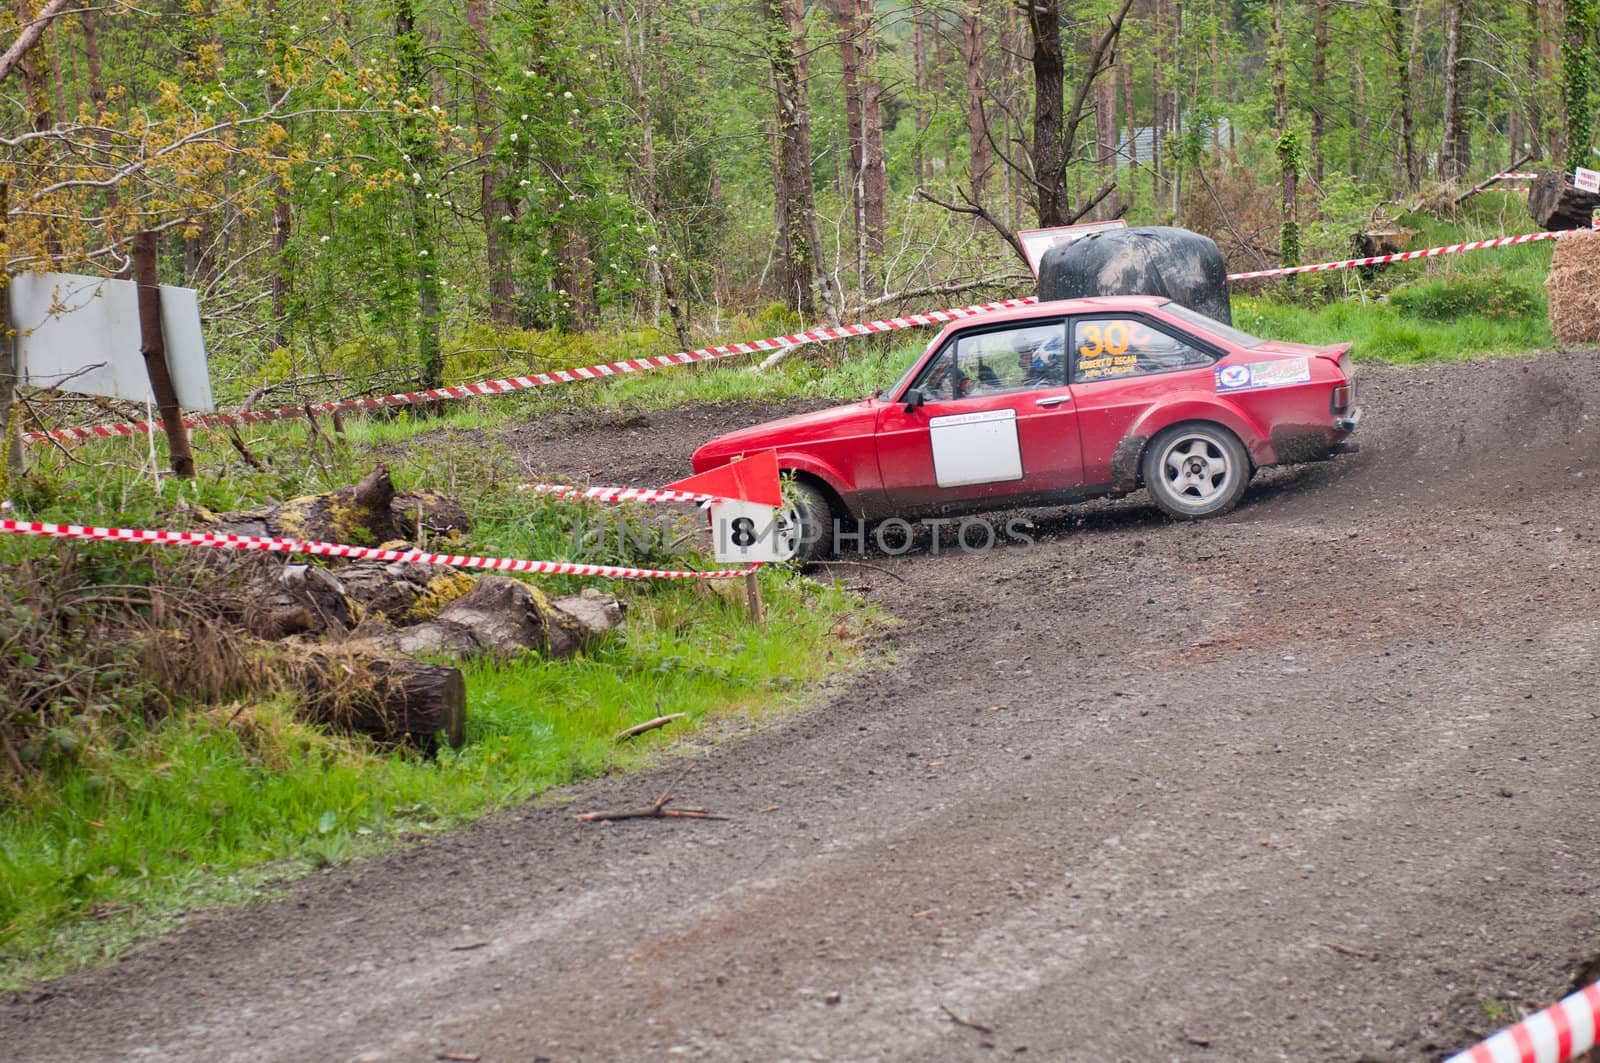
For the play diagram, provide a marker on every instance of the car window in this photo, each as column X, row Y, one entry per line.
column 996, row 362
column 1212, row 325
column 1108, row 348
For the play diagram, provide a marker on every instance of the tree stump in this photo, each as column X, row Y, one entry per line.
column 388, row 700
column 1555, row 204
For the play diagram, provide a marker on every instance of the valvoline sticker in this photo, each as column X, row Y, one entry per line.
column 1274, row 374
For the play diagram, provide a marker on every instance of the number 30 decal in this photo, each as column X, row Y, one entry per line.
column 1110, row 337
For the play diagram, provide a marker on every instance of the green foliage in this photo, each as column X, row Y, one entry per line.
column 1497, row 298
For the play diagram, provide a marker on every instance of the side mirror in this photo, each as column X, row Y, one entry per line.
column 914, row 398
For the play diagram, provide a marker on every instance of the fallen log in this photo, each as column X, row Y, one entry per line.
column 503, row 617
column 386, row 699
column 1554, row 203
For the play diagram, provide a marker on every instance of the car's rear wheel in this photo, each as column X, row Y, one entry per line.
column 805, row 523
column 1196, row 470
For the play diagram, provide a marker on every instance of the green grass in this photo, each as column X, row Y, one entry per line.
column 216, row 807
column 130, row 821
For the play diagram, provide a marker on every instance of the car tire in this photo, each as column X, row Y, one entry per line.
column 1196, row 470
column 805, row 523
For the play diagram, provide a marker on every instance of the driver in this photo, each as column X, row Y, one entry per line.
column 1039, row 358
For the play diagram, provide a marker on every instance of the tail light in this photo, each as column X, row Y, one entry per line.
column 1341, row 398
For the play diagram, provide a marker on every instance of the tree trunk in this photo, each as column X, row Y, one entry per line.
column 1158, row 95
column 794, row 190
column 1450, row 164
column 1399, row 20
column 1049, row 69
column 153, row 346
column 1319, row 81
column 1106, row 131
column 97, row 94
column 1132, row 183
column 10, row 438
column 1278, row 64
column 875, row 182
column 418, row 144
column 919, row 87
column 495, row 204
column 1578, row 49
column 1547, row 16
column 848, row 14
column 977, row 138
column 1555, row 204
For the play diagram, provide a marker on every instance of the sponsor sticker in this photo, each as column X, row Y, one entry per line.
column 1275, row 374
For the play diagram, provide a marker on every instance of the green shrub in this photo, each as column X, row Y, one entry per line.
column 1495, row 297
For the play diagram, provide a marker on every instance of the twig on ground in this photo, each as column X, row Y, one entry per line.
column 1346, row 950
column 648, row 725
column 863, row 564
column 657, row 810
column 968, row 1023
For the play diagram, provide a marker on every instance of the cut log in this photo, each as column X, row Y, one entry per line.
column 1555, row 204
column 1382, row 241
column 286, row 600
column 388, row 700
column 503, row 617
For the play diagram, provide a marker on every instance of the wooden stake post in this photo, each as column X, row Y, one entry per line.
column 10, row 438
column 152, row 344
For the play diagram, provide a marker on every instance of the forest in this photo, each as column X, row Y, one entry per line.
column 377, row 195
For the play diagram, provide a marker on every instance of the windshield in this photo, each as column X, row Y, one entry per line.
column 1211, row 325
column 888, row 393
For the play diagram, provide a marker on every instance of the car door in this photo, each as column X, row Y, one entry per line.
column 1121, row 365
column 997, row 420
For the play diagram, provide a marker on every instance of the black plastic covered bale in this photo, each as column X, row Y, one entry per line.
column 1154, row 260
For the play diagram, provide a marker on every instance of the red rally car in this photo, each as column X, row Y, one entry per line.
column 1055, row 403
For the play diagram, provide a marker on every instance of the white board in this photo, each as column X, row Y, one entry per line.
column 1586, row 180
column 81, row 334
column 975, row 448
column 746, row 532
column 1035, row 242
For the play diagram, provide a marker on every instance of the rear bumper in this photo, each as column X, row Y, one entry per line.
column 1348, row 422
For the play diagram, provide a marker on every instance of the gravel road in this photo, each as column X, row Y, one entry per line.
column 1303, row 783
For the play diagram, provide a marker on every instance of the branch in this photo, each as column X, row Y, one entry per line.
column 30, row 35
column 1102, row 192
column 979, row 210
column 1097, row 65
column 937, row 289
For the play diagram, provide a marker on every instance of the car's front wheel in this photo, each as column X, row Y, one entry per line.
column 805, row 523
column 1196, row 470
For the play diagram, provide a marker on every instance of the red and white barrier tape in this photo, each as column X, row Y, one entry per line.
column 1401, row 256
column 1555, row 1035
column 520, row 383
column 1513, row 177
column 636, row 365
column 298, row 546
column 620, row 494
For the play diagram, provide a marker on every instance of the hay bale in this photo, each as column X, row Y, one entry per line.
column 1574, row 288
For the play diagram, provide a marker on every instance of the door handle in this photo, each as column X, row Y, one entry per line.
column 1054, row 400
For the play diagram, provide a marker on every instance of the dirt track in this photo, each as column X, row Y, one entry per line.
column 1308, row 782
